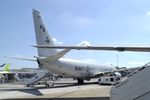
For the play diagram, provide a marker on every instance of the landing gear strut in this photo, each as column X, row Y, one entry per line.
column 80, row 81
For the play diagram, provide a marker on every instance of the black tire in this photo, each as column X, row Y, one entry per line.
column 80, row 81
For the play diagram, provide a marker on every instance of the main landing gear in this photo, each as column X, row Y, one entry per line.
column 80, row 81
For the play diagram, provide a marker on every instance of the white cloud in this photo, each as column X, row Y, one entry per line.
column 60, row 42
column 137, row 63
column 56, row 41
column 148, row 13
column 84, row 43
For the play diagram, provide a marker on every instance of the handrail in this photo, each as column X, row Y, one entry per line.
column 134, row 72
column 141, row 95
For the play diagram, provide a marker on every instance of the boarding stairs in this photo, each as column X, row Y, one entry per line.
column 135, row 86
column 34, row 77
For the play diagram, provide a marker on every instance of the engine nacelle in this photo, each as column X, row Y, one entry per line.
column 117, row 74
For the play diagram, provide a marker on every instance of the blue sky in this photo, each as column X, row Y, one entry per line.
column 100, row 22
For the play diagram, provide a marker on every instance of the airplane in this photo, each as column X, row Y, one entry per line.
column 6, row 68
column 54, row 61
column 25, row 76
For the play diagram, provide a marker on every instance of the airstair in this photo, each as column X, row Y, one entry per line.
column 136, row 86
column 33, row 77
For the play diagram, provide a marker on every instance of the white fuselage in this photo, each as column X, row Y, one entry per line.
column 76, row 68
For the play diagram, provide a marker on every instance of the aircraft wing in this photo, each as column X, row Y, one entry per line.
column 109, row 72
column 102, row 73
column 121, row 49
column 3, row 72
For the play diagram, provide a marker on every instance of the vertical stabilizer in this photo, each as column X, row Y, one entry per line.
column 42, row 36
column 7, row 68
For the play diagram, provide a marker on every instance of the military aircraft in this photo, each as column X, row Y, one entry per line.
column 49, row 58
column 54, row 61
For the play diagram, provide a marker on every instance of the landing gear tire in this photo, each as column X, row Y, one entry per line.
column 49, row 84
column 80, row 81
column 28, row 85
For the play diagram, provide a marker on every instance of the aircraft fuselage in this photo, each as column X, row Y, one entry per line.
column 76, row 68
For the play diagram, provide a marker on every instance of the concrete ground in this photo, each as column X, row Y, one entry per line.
column 63, row 89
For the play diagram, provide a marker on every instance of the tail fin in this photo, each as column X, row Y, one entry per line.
column 42, row 36
column 7, row 67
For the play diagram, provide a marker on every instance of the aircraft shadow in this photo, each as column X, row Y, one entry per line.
column 61, row 85
column 30, row 91
column 35, row 90
column 74, row 98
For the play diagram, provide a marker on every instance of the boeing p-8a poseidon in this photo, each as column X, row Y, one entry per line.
column 53, row 60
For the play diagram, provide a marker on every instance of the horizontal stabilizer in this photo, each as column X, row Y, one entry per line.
column 121, row 49
column 54, row 58
column 28, row 59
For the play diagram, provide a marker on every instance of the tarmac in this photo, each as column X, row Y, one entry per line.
column 65, row 89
